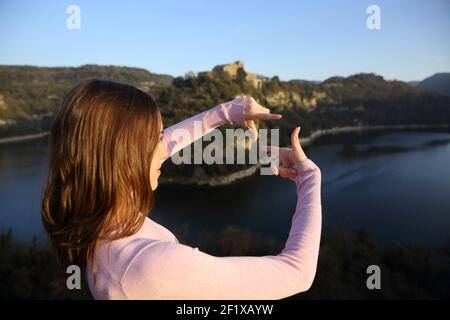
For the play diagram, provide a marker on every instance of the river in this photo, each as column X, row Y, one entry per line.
column 394, row 184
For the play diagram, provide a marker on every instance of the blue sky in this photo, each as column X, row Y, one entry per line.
column 292, row 39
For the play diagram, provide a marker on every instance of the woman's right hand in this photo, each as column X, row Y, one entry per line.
column 289, row 157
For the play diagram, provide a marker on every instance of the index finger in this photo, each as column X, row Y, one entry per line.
column 264, row 116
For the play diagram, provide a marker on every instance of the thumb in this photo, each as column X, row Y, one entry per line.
column 295, row 142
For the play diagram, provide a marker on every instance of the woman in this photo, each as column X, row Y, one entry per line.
column 106, row 149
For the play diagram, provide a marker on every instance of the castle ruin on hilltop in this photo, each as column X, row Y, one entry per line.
column 230, row 70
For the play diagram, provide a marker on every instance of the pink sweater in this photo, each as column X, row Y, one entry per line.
column 152, row 264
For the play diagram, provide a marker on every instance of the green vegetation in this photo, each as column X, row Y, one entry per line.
column 30, row 271
column 407, row 271
column 30, row 95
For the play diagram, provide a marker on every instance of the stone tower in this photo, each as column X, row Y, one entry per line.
column 230, row 70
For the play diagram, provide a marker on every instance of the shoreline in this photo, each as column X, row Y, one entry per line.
column 24, row 137
column 307, row 141
column 224, row 180
column 214, row 181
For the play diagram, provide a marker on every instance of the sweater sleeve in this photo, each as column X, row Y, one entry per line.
column 166, row 270
column 182, row 134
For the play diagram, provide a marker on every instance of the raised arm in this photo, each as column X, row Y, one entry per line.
column 240, row 111
column 166, row 270
column 184, row 133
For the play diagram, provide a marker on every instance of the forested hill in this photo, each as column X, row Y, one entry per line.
column 358, row 100
column 30, row 95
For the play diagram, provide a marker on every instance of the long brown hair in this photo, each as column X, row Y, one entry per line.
column 100, row 150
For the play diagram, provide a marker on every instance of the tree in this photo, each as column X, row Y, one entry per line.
column 190, row 74
column 241, row 77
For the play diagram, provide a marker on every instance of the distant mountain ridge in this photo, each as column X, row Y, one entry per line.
column 304, row 81
column 439, row 82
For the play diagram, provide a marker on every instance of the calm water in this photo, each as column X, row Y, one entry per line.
column 394, row 184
